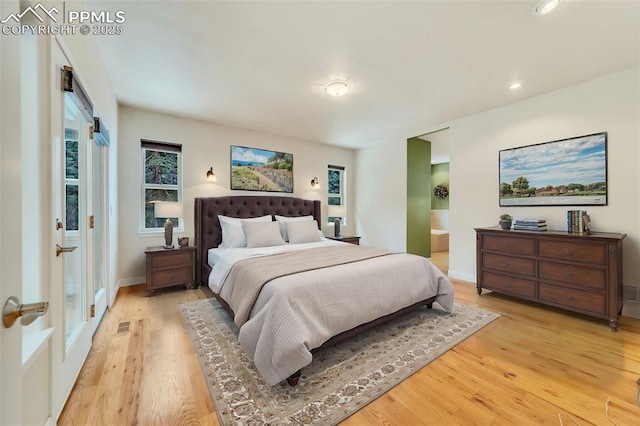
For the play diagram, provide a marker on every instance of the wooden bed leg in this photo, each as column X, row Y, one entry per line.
column 293, row 379
column 429, row 305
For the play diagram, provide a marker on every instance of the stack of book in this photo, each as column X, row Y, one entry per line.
column 578, row 221
column 530, row 224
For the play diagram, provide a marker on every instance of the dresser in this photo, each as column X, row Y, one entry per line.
column 577, row 272
column 170, row 267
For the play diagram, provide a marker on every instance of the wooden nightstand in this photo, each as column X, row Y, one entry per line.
column 169, row 267
column 351, row 239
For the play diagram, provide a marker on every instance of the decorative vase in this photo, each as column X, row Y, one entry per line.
column 505, row 224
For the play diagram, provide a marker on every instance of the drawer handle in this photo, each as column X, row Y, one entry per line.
column 172, row 277
column 568, row 251
column 570, row 298
column 507, row 264
column 567, row 274
column 507, row 284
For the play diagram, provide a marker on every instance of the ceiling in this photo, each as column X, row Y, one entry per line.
column 413, row 66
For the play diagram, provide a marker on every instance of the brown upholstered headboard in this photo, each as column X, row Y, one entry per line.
column 208, row 233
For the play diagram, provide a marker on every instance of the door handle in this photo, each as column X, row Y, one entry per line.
column 13, row 310
column 60, row 250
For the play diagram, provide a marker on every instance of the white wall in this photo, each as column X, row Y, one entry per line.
column 381, row 206
column 204, row 145
column 610, row 103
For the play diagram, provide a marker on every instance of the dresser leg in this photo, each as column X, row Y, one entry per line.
column 614, row 325
column 479, row 289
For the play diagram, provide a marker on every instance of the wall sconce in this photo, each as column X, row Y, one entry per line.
column 315, row 183
column 211, row 177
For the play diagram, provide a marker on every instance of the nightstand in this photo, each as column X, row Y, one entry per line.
column 170, row 267
column 351, row 239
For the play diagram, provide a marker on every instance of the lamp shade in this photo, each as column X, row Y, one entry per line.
column 337, row 211
column 166, row 209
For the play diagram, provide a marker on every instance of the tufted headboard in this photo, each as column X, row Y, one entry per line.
column 208, row 233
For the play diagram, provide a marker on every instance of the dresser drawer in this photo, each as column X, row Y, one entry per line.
column 166, row 277
column 172, row 259
column 503, row 283
column 516, row 265
column 585, row 301
column 595, row 254
column 580, row 276
column 509, row 245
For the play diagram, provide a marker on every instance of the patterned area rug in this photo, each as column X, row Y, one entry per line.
column 339, row 381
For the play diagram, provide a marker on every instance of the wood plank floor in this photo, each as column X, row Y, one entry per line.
column 530, row 366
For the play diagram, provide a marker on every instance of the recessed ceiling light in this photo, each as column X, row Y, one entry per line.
column 544, row 6
column 337, row 88
column 515, row 85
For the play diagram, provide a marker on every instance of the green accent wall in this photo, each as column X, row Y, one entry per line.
column 439, row 176
column 419, row 197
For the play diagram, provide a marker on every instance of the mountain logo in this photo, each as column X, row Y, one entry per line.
column 34, row 11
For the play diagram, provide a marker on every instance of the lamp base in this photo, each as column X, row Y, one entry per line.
column 336, row 228
column 168, row 234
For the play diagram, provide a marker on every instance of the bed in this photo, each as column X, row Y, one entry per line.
column 293, row 299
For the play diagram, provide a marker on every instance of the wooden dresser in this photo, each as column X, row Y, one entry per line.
column 577, row 272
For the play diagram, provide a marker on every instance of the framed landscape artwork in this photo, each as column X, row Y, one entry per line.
column 558, row 173
column 254, row 169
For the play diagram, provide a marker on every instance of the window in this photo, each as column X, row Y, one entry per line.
column 336, row 199
column 162, row 180
column 71, row 180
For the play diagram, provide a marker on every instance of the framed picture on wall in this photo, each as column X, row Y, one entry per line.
column 254, row 169
column 558, row 173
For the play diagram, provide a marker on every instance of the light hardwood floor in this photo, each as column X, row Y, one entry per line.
column 528, row 367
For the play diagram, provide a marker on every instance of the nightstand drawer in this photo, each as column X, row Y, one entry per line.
column 172, row 276
column 174, row 258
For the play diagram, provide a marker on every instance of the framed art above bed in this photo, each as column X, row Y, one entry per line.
column 254, row 169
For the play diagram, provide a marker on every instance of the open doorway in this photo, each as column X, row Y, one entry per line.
column 440, row 190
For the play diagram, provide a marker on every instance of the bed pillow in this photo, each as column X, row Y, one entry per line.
column 283, row 219
column 305, row 231
column 262, row 234
column 232, row 233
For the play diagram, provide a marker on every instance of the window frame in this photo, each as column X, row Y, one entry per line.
column 151, row 145
column 341, row 195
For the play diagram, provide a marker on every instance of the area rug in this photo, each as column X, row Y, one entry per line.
column 340, row 380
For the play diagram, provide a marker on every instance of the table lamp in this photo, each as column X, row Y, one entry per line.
column 168, row 210
column 337, row 212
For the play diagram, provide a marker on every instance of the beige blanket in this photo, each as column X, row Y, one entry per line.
column 250, row 275
column 298, row 312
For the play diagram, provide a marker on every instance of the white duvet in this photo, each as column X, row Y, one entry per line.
column 297, row 313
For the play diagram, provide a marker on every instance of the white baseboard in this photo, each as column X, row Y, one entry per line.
column 128, row 282
column 464, row 276
column 631, row 309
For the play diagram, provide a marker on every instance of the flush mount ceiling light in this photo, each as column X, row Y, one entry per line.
column 515, row 85
column 337, row 88
column 544, row 6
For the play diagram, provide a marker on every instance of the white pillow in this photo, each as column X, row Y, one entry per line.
column 232, row 232
column 262, row 234
column 282, row 219
column 302, row 231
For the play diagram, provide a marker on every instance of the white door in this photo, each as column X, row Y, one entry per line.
column 10, row 258
column 71, row 295
column 98, row 158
